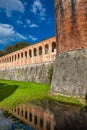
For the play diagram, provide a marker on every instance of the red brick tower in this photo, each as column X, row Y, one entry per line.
column 70, row 73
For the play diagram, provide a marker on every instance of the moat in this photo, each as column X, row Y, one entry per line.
column 60, row 117
column 11, row 123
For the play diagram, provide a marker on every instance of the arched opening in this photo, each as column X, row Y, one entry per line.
column 26, row 114
column 30, row 116
column 15, row 57
column 46, row 49
column 35, row 52
column 21, row 54
column 35, row 120
column 26, row 54
column 18, row 56
column 41, row 122
column 40, row 50
column 21, row 112
column 47, row 125
column 53, row 46
column 30, row 53
column 12, row 58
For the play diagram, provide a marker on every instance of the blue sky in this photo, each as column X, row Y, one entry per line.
column 26, row 20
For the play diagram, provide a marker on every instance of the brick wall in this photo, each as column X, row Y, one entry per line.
column 71, row 24
column 41, row 52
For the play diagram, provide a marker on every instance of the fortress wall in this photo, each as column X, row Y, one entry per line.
column 42, row 52
column 25, row 66
column 71, row 27
column 70, row 71
column 32, row 73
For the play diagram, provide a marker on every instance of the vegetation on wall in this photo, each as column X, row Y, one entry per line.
column 86, row 97
column 50, row 73
column 14, row 47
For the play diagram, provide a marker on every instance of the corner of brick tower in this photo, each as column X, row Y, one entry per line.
column 70, row 71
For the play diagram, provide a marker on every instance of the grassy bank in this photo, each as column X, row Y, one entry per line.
column 13, row 93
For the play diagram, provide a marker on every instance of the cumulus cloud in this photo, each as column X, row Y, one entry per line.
column 32, row 38
column 39, row 9
column 11, row 5
column 8, row 33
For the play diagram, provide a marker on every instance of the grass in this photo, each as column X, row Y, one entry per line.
column 13, row 93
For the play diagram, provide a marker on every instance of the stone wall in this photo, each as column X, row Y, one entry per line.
column 70, row 73
column 32, row 73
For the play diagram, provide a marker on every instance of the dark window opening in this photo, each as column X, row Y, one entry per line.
column 35, row 52
column 35, row 120
column 21, row 112
column 18, row 111
column 41, row 123
column 53, row 46
column 46, row 49
column 40, row 50
column 26, row 114
column 26, row 54
column 30, row 53
column 30, row 116
column 15, row 57
column 18, row 56
column 47, row 125
column 22, row 55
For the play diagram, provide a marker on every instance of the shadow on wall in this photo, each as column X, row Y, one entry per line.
column 6, row 90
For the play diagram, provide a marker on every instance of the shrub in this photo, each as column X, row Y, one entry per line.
column 50, row 73
column 86, row 97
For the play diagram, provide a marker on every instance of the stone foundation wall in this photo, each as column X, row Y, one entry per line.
column 70, row 73
column 32, row 73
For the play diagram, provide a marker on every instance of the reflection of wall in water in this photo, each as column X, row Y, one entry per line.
column 35, row 117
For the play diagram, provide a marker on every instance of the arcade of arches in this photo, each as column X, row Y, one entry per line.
column 44, row 51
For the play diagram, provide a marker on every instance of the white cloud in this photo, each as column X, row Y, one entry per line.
column 28, row 21
column 32, row 38
column 7, row 34
column 11, row 5
column 39, row 9
column 30, row 24
column 33, row 26
column 19, row 22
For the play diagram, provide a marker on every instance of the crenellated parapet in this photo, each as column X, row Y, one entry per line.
column 44, row 51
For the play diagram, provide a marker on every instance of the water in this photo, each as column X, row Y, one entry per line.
column 12, row 124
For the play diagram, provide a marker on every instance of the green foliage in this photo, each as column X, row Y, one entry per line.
column 1, row 53
column 50, row 73
column 86, row 97
column 14, row 47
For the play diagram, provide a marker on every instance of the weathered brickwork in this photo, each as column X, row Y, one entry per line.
column 42, row 52
column 71, row 24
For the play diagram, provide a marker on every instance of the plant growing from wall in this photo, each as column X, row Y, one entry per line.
column 50, row 73
column 86, row 97
column 86, row 101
